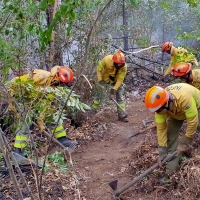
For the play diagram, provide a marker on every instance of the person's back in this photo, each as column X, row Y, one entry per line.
column 183, row 94
column 40, row 77
column 109, row 71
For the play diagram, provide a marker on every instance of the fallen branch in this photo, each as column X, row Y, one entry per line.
column 129, row 52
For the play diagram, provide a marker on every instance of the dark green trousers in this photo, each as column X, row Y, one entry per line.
column 173, row 129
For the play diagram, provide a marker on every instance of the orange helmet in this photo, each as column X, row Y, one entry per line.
column 65, row 74
column 118, row 57
column 155, row 98
column 181, row 69
column 166, row 46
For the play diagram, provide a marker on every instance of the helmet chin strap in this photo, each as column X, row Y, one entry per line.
column 188, row 76
column 168, row 105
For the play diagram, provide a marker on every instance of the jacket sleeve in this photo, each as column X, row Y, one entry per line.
column 191, row 113
column 168, row 71
column 100, row 69
column 40, row 77
column 161, row 130
column 171, row 64
column 120, row 77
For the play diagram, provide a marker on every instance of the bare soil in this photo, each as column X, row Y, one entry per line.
column 106, row 157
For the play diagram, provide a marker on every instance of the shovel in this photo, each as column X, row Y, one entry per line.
column 113, row 184
column 119, row 107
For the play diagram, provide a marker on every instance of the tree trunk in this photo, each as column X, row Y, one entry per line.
column 50, row 15
column 125, row 26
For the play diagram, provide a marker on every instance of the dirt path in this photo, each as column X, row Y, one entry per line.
column 105, row 159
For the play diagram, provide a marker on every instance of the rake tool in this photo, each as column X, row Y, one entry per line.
column 141, row 131
column 114, row 183
column 119, row 107
column 70, row 149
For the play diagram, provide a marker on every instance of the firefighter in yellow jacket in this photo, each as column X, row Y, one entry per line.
column 186, row 74
column 178, row 55
column 111, row 72
column 58, row 76
column 173, row 105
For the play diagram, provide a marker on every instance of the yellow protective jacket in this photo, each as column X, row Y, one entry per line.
column 196, row 78
column 106, row 69
column 185, row 105
column 180, row 55
column 40, row 77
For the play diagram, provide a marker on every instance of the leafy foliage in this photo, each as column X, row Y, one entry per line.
column 23, row 22
column 58, row 160
column 134, row 2
column 45, row 103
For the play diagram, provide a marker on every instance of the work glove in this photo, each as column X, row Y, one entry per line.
column 101, row 82
column 184, row 143
column 162, row 154
column 112, row 93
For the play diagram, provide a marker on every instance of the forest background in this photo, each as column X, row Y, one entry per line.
column 78, row 33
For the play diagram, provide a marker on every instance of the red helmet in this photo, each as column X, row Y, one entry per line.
column 65, row 74
column 166, row 46
column 155, row 98
column 118, row 57
column 180, row 69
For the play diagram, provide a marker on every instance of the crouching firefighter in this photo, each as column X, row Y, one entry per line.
column 172, row 106
column 111, row 72
column 58, row 76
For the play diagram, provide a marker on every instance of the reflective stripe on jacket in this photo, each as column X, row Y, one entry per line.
column 105, row 69
column 180, row 55
column 186, row 102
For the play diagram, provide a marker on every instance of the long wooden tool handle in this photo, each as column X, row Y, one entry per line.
column 50, row 136
column 142, row 131
column 135, row 180
column 118, row 105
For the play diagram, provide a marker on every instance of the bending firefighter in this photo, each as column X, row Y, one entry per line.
column 111, row 72
column 177, row 55
column 59, row 76
column 186, row 74
column 173, row 105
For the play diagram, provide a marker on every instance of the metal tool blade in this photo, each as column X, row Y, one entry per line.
column 113, row 185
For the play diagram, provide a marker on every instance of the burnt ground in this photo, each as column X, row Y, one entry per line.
column 106, row 153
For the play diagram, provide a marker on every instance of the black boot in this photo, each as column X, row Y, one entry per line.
column 92, row 112
column 19, row 155
column 67, row 142
column 18, row 151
